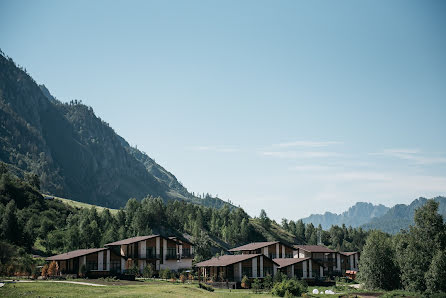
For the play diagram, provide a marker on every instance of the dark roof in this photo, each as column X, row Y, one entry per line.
column 74, row 254
column 313, row 248
column 253, row 246
column 348, row 253
column 227, row 260
column 132, row 240
column 284, row 262
column 182, row 239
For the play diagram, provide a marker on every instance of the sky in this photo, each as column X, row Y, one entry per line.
column 296, row 107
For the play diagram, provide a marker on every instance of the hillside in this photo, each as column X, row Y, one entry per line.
column 355, row 216
column 401, row 216
column 74, row 153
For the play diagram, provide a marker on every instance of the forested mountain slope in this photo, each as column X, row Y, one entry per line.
column 74, row 153
column 401, row 216
column 355, row 216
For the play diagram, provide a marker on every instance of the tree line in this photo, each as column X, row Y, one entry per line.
column 414, row 259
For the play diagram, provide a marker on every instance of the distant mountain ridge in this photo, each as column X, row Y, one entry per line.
column 74, row 153
column 355, row 216
column 378, row 217
column 401, row 216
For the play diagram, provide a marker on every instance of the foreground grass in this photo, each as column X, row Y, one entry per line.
column 142, row 289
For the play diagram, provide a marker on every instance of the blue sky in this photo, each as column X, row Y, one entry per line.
column 291, row 106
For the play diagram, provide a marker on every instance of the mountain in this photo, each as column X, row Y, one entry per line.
column 74, row 153
column 401, row 216
column 355, row 216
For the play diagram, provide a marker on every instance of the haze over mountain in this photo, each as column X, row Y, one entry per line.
column 355, row 216
column 74, row 153
column 378, row 217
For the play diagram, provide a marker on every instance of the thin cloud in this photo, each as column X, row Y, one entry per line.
column 300, row 154
column 411, row 155
column 215, row 149
column 308, row 144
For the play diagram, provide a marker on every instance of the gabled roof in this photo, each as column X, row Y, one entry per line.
column 227, row 260
column 348, row 253
column 74, row 254
column 285, row 262
column 255, row 245
column 182, row 239
column 314, row 248
column 133, row 240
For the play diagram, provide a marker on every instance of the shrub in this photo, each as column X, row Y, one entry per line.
column 165, row 273
column 148, row 271
column 190, row 276
column 45, row 270
column 288, row 288
column 83, row 270
column 245, row 282
column 183, row 278
column 268, row 282
column 53, row 269
column 256, row 286
column 206, row 287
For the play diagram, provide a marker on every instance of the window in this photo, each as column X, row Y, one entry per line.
column 267, row 270
column 115, row 265
column 91, row 265
column 171, row 253
column 150, row 252
column 186, row 252
column 247, row 271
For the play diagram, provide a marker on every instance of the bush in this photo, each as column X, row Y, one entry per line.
column 288, row 288
column 206, row 287
column 53, row 269
column 256, row 286
column 245, row 282
column 44, row 271
column 183, row 278
column 165, row 273
column 268, row 282
column 148, row 271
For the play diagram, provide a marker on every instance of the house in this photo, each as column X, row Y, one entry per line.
column 329, row 259
column 301, row 268
column 233, row 267
column 159, row 251
column 100, row 261
column 273, row 249
column 349, row 261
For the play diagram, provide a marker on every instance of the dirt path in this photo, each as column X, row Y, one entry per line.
column 60, row 281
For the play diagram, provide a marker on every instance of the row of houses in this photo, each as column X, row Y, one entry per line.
column 254, row 260
column 161, row 252
column 258, row 259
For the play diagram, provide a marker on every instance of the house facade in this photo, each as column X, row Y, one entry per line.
column 328, row 258
column 100, row 261
column 349, row 261
column 159, row 251
column 302, row 268
column 233, row 267
column 273, row 249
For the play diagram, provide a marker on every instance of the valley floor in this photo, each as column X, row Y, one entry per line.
column 149, row 288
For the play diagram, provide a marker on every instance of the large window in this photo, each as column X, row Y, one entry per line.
column 92, row 265
column 150, row 252
column 115, row 265
column 247, row 271
column 186, row 252
column 267, row 270
column 171, row 253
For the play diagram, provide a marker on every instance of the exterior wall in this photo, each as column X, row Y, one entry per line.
column 101, row 260
column 238, row 271
column 175, row 265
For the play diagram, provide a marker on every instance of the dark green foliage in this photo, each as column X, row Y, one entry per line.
column 289, row 288
column 416, row 248
column 377, row 268
column 205, row 287
column 268, row 282
column 436, row 276
column 256, row 286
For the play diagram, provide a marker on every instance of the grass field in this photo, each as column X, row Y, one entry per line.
column 120, row 289
column 83, row 205
column 156, row 288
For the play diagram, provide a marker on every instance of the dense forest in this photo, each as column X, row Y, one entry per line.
column 414, row 259
column 74, row 153
column 31, row 224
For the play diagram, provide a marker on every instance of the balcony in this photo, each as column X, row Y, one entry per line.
column 187, row 256
column 172, row 256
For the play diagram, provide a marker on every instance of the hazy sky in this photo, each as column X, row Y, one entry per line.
column 295, row 107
